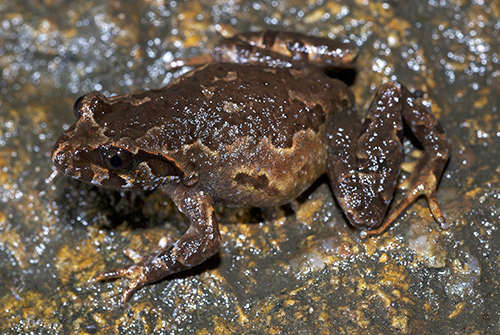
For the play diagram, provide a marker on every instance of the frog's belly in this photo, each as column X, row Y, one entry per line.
column 249, row 175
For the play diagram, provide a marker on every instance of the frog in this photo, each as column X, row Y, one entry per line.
column 254, row 124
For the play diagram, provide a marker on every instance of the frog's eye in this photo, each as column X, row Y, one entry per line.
column 76, row 107
column 117, row 159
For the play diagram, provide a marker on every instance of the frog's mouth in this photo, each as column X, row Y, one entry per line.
column 77, row 163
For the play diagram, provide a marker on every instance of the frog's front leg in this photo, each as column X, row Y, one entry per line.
column 200, row 242
column 364, row 162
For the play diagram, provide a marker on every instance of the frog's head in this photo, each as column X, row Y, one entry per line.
column 107, row 146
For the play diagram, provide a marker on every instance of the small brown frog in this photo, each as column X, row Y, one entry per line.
column 254, row 127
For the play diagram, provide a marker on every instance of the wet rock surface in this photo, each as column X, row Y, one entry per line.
column 296, row 269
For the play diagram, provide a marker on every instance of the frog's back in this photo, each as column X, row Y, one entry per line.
column 221, row 102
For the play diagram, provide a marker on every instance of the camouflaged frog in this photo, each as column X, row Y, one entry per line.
column 254, row 127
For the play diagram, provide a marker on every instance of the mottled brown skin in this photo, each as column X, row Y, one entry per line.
column 253, row 128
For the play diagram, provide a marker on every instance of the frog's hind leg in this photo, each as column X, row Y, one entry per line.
column 364, row 165
column 286, row 49
column 427, row 170
column 277, row 49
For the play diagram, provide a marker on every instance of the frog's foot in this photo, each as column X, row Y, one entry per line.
column 423, row 182
column 147, row 270
column 133, row 272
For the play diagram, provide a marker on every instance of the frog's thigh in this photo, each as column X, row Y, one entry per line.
column 363, row 165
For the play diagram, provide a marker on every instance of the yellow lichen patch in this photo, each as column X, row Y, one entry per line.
column 221, row 327
column 398, row 316
column 100, row 319
column 394, row 275
column 384, row 258
column 458, row 309
column 3, row 221
column 425, row 219
column 4, row 161
column 361, row 285
column 482, row 99
column 306, row 212
column 399, row 26
column 242, row 317
column 474, row 193
column 140, row 313
column 333, row 7
column 400, row 322
column 360, row 317
column 381, row 295
column 371, row 246
column 436, row 109
column 481, row 131
column 76, row 262
column 247, row 237
column 34, row 310
column 315, row 15
column 193, row 23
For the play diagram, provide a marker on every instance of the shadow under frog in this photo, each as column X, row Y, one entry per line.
column 254, row 127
